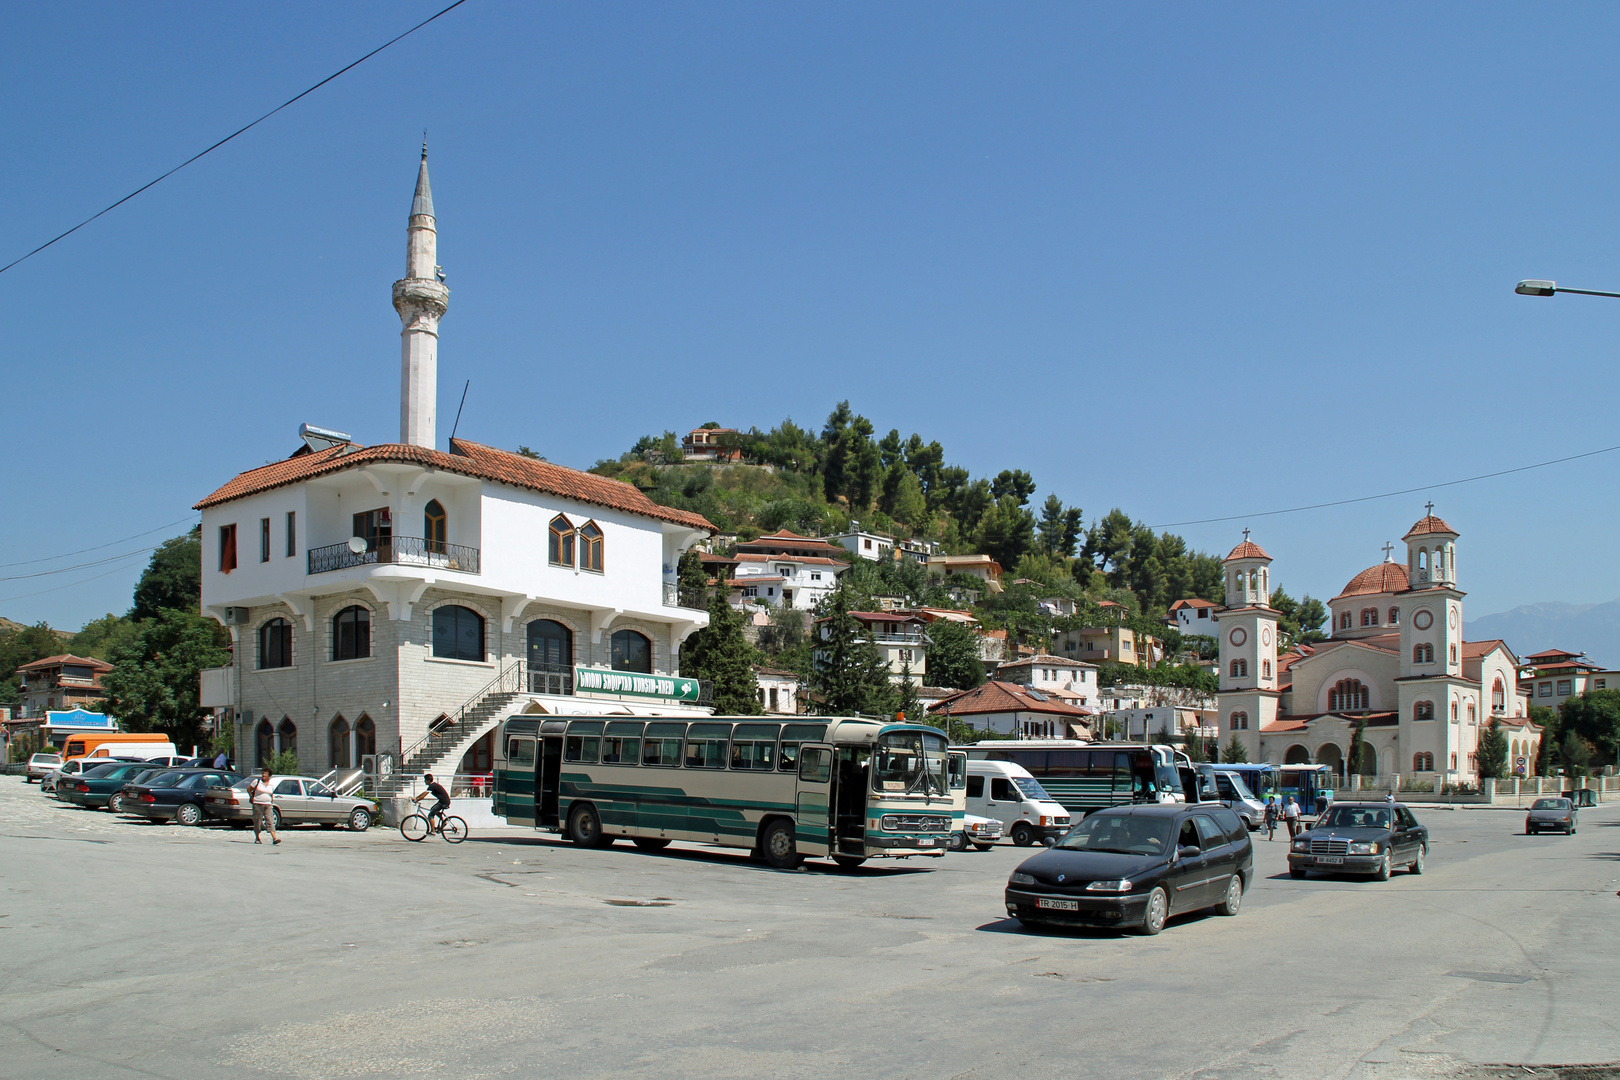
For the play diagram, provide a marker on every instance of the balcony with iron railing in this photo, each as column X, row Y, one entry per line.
column 397, row 551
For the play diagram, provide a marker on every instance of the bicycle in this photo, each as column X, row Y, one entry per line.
column 418, row 827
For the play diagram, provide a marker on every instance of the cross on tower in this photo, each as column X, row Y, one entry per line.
column 1429, row 508
column 1245, row 536
column 1388, row 547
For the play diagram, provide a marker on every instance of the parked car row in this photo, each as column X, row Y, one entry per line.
column 192, row 791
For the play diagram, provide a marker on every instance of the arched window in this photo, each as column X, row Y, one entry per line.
column 264, row 743
column 1240, row 721
column 1422, row 762
column 1423, row 654
column 275, row 644
column 1369, row 616
column 1394, row 615
column 551, row 658
column 1498, row 696
column 1454, row 761
column 337, row 738
column 458, row 633
column 590, row 547
column 1423, row 558
column 631, row 651
column 365, row 737
column 1344, row 621
column 1265, row 669
column 1423, row 710
column 287, row 736
column 433, row 526
column 1473, row 714
column 351, row 633
column 562, row 541
column 1348, row 695
column 1453, row 710
column 1240, row 669
column 1454, row 654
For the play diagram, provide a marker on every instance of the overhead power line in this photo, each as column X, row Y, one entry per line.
column 59, row 588
column 232, row 135
column 98, row 547
column 81, row 566
column 1388, row 494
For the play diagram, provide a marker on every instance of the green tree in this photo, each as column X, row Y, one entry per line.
column 1015, row 482
column 908, row 706
column 720, row 653
column 910, row 506
column 953, row 655
column 1547, row 749
column 100, row 636
column 173, row 577
column 691, row 580
column 1493, row 752
column 1006, row 531
column 1358, row 745
column 848, row 675
column 1595, row 717
column 24, row 646
column 1574, row 754
column 1310, row 615
column 153, row 683
column 1234, row 754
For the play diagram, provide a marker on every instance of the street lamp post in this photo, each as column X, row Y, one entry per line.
column 1533, row 287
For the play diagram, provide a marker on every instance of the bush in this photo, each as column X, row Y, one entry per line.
column 1417, row 785
column 1458, row 789
column 284, row 764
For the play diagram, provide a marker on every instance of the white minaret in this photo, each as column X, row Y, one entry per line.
column 421, row 299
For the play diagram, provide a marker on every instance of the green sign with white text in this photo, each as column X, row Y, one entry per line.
column 635, row 684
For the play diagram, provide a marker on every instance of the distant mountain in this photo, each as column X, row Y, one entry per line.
column 1590, row 628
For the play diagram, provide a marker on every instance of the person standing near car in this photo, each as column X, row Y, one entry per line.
column 1271, row 816
column 264, row 807
column 221, row 761
column 1291, row 817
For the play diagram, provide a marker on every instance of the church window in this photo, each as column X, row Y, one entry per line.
column 1240, row 669
column 275, row 644
column 433, row 530
column 1423, row 654
column 1344, row 621
column 1454, row 654
column 1394, row 615
column 590, row 547
column 1423, row 558
column 1454, row 762
column 1423, row 710
column 562, row 541
column 287, row 736
column 1423, row 763
column 1369, row 616
column 351, row 633
column 1349, row 695
column 1265, row 669
column 458, row 633
column 1473, row 713
column 1453, row 710
column 1498, row 696
column 1240, row 721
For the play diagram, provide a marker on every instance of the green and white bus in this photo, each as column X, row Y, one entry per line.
column 1083, row 776
column 849, row 789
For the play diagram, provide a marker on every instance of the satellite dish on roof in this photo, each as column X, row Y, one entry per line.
column 357, row 544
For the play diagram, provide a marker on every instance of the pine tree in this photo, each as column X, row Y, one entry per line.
column 849, row 675
column 690, row 579
column 721, row 654
column 1234, row 754
column 1358, row 746
column 1493, row 751
column 909, row 708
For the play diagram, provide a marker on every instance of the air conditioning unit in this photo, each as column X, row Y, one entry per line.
column 237, row 616
column 368, row 764
column 245, row 717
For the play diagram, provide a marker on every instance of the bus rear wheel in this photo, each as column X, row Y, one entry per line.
column 778, row 847
column 585, row 826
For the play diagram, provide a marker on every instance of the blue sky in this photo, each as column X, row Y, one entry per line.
column 1188, row 261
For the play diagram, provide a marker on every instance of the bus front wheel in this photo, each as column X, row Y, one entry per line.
column 778, row 846
column 585, row 826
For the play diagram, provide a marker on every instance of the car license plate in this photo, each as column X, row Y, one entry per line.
column 1329, row 860
column 1058, row 905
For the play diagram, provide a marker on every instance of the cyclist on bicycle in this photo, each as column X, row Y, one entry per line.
column 441, row 798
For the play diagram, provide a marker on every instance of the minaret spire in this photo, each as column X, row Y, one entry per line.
column 421, row 299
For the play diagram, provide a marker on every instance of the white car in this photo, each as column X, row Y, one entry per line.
column 296, row 799
column 42, row 765
column 981, row 832
column 47, row 783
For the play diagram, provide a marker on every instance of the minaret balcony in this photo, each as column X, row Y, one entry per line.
column 398, row 551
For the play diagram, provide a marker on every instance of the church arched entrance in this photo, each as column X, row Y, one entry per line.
column 1297, row 755
column 1330, row 755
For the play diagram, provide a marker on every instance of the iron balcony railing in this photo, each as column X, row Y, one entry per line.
column 400, row 550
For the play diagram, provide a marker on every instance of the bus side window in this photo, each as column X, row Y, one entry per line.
column 581, row 748
column 789, row 761
column 815, row 765
column 975, row 787
column 520, row 753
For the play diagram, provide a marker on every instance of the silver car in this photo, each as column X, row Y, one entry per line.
column 297, row 800
column 1551, row 815
column 42, row 765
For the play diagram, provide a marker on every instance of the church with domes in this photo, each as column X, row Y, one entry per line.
column 1396, row 661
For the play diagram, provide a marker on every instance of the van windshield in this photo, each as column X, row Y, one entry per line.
column 1030, row 788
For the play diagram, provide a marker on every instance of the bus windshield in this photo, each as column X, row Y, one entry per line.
column 911, row 762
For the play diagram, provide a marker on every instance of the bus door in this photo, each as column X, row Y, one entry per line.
column 850, row 785
column 812, row 832
column 545, row 811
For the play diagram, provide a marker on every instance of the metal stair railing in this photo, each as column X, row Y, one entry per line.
column 489, row 700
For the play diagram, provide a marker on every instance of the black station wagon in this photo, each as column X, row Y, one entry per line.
column 1136, row 866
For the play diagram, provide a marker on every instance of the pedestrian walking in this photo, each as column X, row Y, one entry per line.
column 1271, row 816
column 264, row 807
column 1291, row 817
column 221, row 761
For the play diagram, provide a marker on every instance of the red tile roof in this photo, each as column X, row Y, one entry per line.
column 808, row 560
column 1247, row 550
column 1388, row 577
column 1427, row 525
column 1554, row 654
column 1474, row 649
column 1002, row 697
column 1195, row 603
column 1277, row 726
column 67, row 658
column 466, row 459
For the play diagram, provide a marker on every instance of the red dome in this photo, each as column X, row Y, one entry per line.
column 1247, row 550
column 1389, row 577
column 1429, row 524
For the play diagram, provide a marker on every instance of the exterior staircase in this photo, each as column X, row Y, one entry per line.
column 441, row 750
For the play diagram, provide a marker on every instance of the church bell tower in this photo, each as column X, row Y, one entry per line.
column 421, row 299
column 1248, row 699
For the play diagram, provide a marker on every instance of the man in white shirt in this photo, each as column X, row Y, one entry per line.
column 1291, row 816
column 263, row 806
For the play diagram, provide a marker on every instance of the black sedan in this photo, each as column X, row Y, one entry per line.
column 1552, row 815
column 1361, row 838
column 176, row 796
column 1136, row 866
column 103, row 785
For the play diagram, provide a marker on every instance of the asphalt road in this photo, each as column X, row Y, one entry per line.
column 157, row 951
